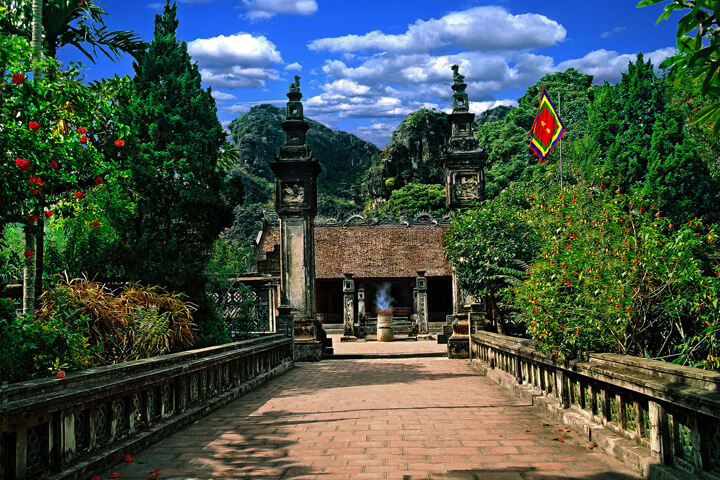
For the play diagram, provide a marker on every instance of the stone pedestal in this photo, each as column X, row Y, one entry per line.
column 459, row 342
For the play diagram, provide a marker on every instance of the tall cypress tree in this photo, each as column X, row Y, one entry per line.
column 172, row 153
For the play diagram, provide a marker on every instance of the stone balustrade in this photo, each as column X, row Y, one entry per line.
column 77, row 426
column 650, row 414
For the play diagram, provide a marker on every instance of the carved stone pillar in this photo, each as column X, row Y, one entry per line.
column 463, row 161
column 296, row 174
column 349, row 305
column 422, row 305
column 361, row 306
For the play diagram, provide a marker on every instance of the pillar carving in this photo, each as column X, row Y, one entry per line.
column 348, row 305
column 422, row 305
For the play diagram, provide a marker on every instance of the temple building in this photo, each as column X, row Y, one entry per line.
column 385, row 260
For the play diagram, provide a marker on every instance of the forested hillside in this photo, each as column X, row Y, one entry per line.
column 258, row 135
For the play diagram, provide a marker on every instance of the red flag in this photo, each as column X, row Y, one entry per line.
column 547, row 129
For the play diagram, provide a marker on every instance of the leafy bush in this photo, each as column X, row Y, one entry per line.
column 615, row 275
column 139, row 322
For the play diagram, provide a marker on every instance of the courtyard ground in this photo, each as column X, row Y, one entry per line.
column 386, row 418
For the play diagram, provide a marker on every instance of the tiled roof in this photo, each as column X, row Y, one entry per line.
column 373, row 251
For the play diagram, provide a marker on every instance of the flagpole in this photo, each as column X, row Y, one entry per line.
column 561, row 172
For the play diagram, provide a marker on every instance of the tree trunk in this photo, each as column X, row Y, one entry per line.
column 496, row 313
column 31, row 244
column 29, row 273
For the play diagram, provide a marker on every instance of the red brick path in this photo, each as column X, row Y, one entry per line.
column 403, row 419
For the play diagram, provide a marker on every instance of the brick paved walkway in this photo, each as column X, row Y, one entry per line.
column 403, row 419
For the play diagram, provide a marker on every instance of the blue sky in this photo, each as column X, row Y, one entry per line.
column 365, row 64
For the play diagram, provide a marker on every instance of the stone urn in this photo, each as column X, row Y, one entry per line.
column 385, row 327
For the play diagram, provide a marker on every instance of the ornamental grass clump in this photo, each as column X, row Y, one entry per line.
column 137, row 322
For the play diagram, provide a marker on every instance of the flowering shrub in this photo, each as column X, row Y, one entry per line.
column 615, row 276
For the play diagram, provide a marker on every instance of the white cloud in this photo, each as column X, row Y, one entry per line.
column 293, row 66
column 222, row 97
column 236, row 61
column 377, row 133
column 266, row 9
column 479, row 29
column 608, row 65
column 612, row 32
column 239, row 49
column 155, row 6
column 242, row 107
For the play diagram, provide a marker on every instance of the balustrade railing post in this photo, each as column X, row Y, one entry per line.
column 563, row 388
column 659, row 434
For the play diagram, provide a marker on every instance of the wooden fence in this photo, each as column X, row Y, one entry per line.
column 649, row 414
column 82, row 424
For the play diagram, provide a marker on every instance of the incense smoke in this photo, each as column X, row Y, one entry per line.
column 383, row 300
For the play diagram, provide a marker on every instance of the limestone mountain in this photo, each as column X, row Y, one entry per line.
column 412, row 156
column 344, row 157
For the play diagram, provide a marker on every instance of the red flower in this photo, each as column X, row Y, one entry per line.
column 119, row 142
column 568, row 283
column 577, row 332
column 22, row 164
column 642, row 209
column 48, row 213
column 95, row 224
column 35, row 191
column 83, row 139
column 32, row 218
column 602, row 185
column 35, row 180
column 153, row 474
column 563, row 265
column 60, row 374
column 18, row 78
column 128, row 458
column 568, row 247
column 116, row 475
column 628, row 309
column 657, row 214
column 670, row 226
column 28, row 253
column 96, row 477
column 53, row 164
column 617, row 191
column 79, row 195
column 98, row 180
column 34, row 126
column 528, row 272
column 82, row 131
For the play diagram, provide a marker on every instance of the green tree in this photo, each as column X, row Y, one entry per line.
column 70, row 22
column 180, row 202
column 507, row 142
column 51, row 134
column 414, row 198
column 490, row 248
column 698, row 54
